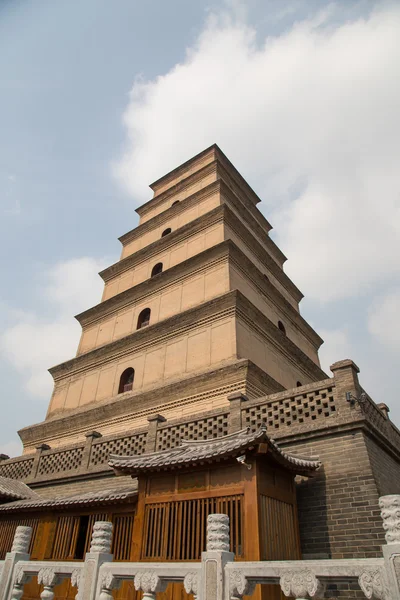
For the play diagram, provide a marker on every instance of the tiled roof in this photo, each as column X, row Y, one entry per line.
column 205, row 451
column 107, row 496
column 10, row 489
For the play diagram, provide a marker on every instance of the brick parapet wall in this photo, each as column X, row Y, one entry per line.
column 338, row 509
column 314, row 408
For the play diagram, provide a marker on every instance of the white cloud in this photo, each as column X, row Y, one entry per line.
column 337, row 346
column 33, row 343
column 310, row 118
column 383, row 319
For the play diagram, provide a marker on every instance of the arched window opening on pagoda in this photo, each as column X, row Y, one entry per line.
column 156, row 269
column 126, row 380
column 144, row 318
column 166, row 231
column 281, row 327
column 299, row 384
column 176, row 202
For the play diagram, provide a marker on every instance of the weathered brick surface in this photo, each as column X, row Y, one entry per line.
column 385, row 468
column 338, row 510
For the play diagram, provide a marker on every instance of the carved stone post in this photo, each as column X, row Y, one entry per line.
column 235, row 411
column 214, row 559
column 151, row 438
column 390, row 513
column 19, row 551
column 149, row 583
column 345, row 373
column 100, row 552
column 36, row 460
column 87, row 450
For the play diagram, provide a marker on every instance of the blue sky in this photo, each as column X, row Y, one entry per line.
column 98, row 99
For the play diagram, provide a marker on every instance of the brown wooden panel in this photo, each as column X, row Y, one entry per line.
column 177, row 530
column 279, row 530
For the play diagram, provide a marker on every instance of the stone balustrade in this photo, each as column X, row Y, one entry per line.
column 216, row 577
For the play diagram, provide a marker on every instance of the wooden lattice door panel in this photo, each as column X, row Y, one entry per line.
column 279, row 539
column 7, row 532
column 177, row 530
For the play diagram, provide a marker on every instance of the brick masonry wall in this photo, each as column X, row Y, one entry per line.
column 338, row 510
column 385, row 468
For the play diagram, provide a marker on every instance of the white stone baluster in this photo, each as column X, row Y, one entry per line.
column 388, row 582
column 19, row 551
column 149, row 583
column 49, row 579
column 20, row 579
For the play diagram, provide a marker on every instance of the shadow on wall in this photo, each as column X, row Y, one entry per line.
column 313, row 522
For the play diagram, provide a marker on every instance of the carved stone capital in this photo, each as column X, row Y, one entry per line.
column 149, row 583
column 49, row 579
column 218, row 533
column 301, row 583
column 22, row 539
column 239, row 586
column 76, row 580
column 374, row 584
column 390, row 513
column 190, row 583
column 108, row 583
column 101, row 537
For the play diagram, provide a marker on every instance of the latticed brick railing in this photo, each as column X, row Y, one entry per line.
column 302, row 407
column 217, row 577
column 311, row 406
column 170, row 436
column 129, row 445
column 16, row 468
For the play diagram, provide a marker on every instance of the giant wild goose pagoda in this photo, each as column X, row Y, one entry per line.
column 196, row 389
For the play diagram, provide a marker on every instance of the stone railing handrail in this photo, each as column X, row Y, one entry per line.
column 149, row 578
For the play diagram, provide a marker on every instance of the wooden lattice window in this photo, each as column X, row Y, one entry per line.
column 122, row 537
column 177, row 530
column 72, row 536
column 7, row 532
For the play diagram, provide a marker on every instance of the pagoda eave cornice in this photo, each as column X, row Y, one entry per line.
column 228, row 250
column 173, row 274
column 218, row 214
column 144, row 403
column 232, row 304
